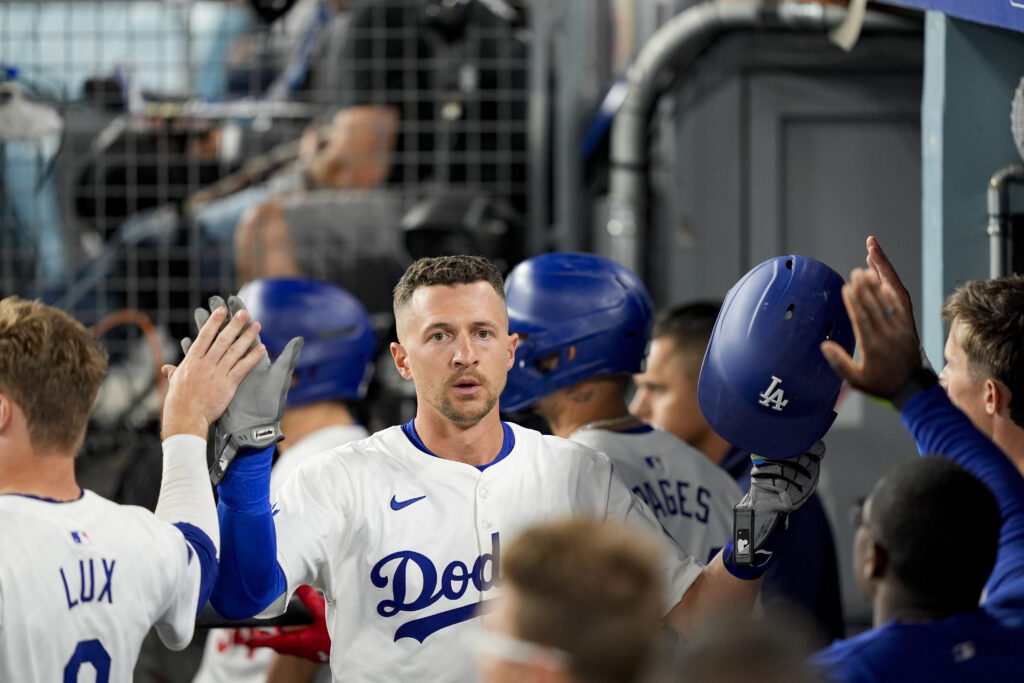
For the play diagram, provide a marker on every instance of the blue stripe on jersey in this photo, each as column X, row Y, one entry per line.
column 207, row 554
column 642, row 429
column 507, row 444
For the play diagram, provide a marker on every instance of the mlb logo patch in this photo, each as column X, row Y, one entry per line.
column 80, row 538
column 653, row 462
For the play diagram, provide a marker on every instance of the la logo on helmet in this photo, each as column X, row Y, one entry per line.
column 773, row 397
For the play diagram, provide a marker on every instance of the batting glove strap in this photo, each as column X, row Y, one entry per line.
column 226, row 447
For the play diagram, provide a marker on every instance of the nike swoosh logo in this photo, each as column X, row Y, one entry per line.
column 399, row 504
column 274, row 510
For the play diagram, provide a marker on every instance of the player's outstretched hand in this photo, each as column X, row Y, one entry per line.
column 309, row 642
column 253, row 418
column 885, row 333
column 777, row 488
column 225, row 350
column 887, row 275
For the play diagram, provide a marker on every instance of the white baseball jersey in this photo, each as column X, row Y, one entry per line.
column 407, row 546
column 690, row 495
column 225, row 658
column 82, row 582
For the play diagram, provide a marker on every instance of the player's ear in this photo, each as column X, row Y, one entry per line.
column 513, row 342
column 997, row 397
column 401, row 359
column 6, row 411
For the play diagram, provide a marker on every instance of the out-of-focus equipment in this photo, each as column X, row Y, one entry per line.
column 577, row 316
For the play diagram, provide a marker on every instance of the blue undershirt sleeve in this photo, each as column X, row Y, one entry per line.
column 250, row 578
column 939, row 428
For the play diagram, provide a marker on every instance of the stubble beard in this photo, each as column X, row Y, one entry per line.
column 451, row 410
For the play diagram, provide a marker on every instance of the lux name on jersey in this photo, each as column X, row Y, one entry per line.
column 671, row 498
column 91, row 581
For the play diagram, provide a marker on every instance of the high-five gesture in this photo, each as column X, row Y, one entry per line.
column 224, row 351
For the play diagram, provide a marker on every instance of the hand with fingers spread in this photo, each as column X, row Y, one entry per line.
column 202, row 386
column 252, row 419
column 887, row 275
column 885, row 333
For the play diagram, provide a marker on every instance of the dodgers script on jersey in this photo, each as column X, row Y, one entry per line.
column 691, row 496
column 226, row 659
column 80, row 584
column 406, row 546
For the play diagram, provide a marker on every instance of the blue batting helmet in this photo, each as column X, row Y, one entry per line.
column 340, row 344
column 765, row 386
column 592, row 312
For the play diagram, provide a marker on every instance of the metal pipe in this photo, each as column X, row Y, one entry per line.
column 686, row 34
column 1000, row 239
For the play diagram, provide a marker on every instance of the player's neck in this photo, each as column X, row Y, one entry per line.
column 298, row 423
column 894, row 602
column 475, row 445
column 589, row 406
column 712, row 446
column 50, row 475
column 1009, row 436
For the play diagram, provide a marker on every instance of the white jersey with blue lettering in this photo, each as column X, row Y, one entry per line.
column 691, row 496
column 82, row 582
column 406, row 546
column 226, row 657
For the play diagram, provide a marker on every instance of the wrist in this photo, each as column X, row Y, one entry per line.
column 922, row 378
column 744, row 572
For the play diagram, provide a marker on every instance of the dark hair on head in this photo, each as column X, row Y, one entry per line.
column 449, row 271
column 939, row 527
column 689, row 326
column 992, row 317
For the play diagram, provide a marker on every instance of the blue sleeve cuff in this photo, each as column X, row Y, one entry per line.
column 201, row 544
column 246, row 485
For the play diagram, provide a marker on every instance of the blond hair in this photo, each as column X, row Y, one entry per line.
column 51, row 366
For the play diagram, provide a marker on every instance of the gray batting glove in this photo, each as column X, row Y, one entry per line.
column 253, row 418
column 777, row 488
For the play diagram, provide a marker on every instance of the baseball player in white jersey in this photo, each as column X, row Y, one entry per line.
column 403, row 531
column 84, row 579
column 690, row 496
column 584, row 323
column 334, row 368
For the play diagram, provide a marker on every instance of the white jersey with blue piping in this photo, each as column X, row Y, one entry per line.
column 226, row 657
column 81, row 584
column 406, row 546
column 691, row 496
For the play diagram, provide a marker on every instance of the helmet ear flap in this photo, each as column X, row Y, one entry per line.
column 764, row 385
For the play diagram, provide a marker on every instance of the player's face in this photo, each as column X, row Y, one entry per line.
column 963, row 390
column 455, row 346
column 666, row 397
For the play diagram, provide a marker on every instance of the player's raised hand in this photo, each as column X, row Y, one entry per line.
column 253, row 418
column 887, row 275
column 225, row 350
column 885, row 333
